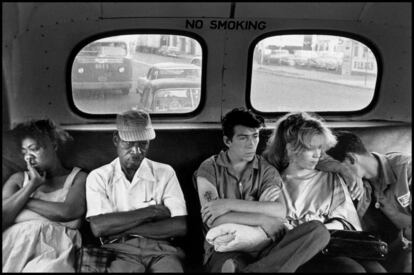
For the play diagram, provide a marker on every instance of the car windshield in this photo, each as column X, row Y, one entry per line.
column 179, row 100
column 104, row 49
column 173, row 92
column 179, row 73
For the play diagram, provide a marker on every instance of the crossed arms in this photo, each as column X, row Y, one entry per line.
column 154, row 221
column 16, row 198
column 215, row 211
column 151, row 221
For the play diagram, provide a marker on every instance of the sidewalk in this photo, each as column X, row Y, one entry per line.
column 361, row 81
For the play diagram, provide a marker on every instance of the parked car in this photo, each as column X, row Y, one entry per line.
column 172, row 51
column 271, row 55
column 168, row 70
column 288, row 60
column 103, row 65
column 299, row 58
column 171, row 95
column 196, row 60
column 327, row 61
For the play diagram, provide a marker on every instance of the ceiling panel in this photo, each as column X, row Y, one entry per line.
column 387, row 13
column 392, row 14
column 166, row 9
column 301, row 10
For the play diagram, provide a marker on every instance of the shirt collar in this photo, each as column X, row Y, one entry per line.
column 144, row 171
column 386, row 174
column 224, row 160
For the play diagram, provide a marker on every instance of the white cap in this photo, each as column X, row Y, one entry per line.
column 134, row 125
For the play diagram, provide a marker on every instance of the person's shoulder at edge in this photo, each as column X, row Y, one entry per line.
column 211, row 160
column 104, row 169
column 264, row 161
column 17, row 177
column 398, row 158
column 157, row 166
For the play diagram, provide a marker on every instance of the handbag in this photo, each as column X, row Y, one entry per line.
column 354, row 244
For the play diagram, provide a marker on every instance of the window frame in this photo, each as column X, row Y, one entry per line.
column 368, row 43
column 81, row 44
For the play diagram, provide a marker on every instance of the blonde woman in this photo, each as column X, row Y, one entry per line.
column 298, row 143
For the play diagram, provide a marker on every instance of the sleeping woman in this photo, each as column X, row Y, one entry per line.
column 42, row 206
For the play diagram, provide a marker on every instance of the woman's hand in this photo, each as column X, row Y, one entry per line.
column 35, row 178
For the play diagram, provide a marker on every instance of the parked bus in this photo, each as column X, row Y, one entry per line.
column 104, row 65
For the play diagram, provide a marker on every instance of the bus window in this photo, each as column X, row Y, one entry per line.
column 318, row 73
column 117, row 73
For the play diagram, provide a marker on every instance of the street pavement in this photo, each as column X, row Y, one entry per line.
column 363, row 81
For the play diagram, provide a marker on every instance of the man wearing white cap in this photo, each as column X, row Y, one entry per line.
column 135, row 205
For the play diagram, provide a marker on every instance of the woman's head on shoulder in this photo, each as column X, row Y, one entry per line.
column 40, row 141
column 300, row 138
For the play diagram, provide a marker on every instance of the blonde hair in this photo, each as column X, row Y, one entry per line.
column 296, row 129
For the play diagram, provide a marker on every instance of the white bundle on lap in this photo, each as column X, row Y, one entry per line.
column 237, row 237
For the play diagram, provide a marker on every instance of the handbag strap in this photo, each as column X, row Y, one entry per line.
column 347, row 225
